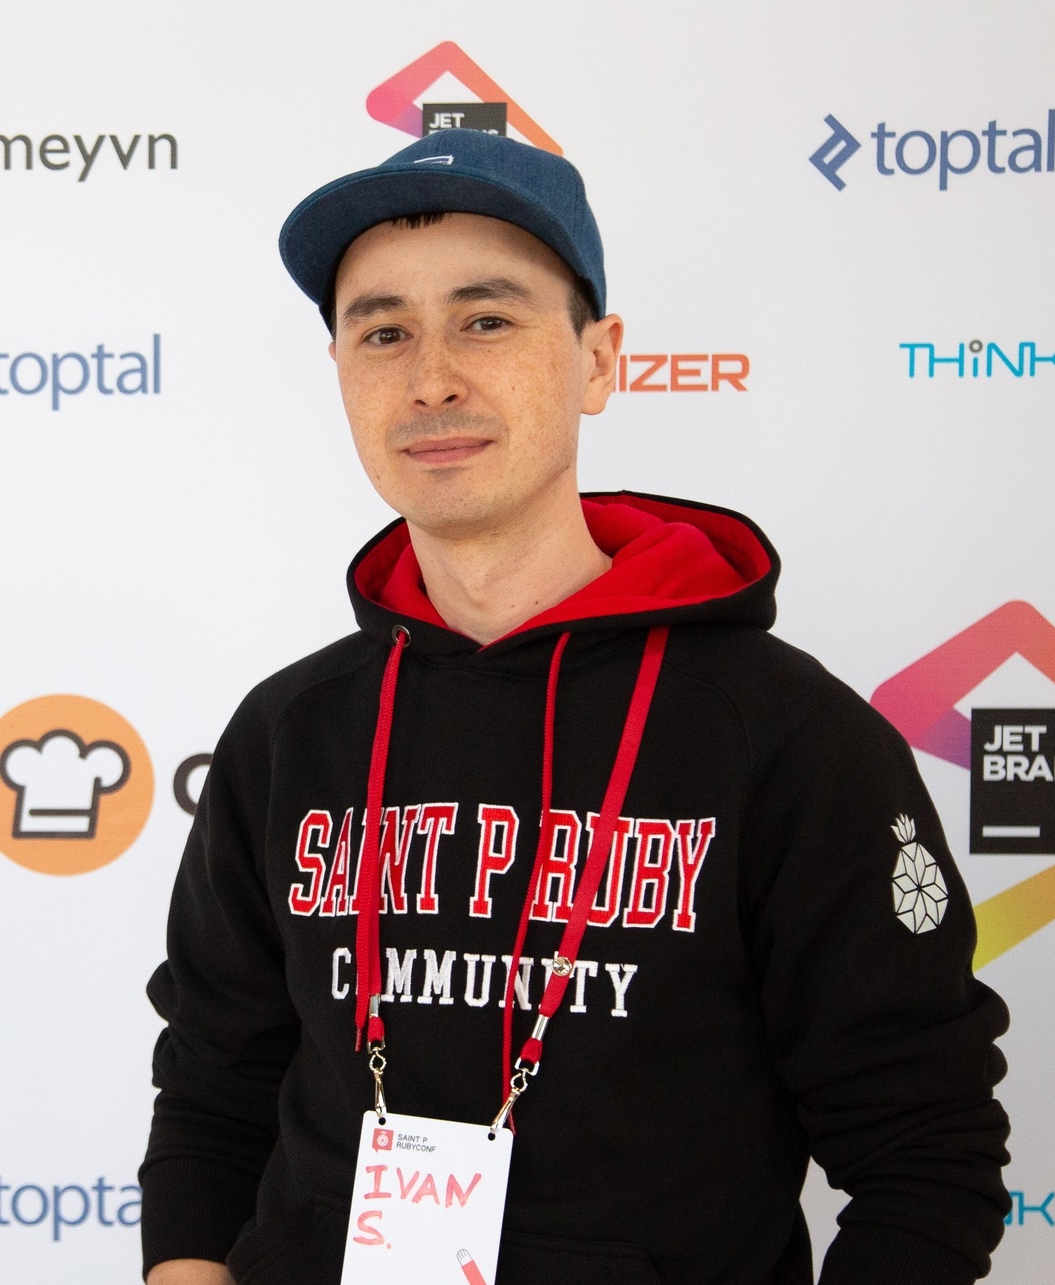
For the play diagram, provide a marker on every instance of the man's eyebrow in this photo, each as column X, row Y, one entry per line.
column 368, row 305
column 490, row 288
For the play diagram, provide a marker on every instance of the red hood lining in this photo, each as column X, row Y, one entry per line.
column 663, row 555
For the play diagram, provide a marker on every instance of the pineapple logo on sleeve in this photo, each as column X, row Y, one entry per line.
column 920, row 894
column 76, row 785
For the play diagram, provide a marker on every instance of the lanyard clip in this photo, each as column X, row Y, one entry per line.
column 517, row 1085
column 377, row 1062
column 524, row 1071
column 377, row 1066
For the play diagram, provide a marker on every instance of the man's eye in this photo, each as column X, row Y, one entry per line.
column 384, row 336
column 488, row 323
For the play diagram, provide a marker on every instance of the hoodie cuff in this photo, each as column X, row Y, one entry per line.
column 194, row 1208
column 871, row 1254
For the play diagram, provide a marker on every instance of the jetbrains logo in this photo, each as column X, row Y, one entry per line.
column 1010, row 754
column 400, row 100
column 954, row 151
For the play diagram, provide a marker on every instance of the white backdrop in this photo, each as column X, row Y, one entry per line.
column 170, row 542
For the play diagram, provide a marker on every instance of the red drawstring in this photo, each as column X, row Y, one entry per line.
column 604, row 831
column 367, row 939
column 600, row 846
column 545, row 826
column 367, row 943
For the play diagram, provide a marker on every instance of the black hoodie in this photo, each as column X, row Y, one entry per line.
column 777, row 963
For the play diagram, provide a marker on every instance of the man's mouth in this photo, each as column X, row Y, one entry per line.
column 446, row 450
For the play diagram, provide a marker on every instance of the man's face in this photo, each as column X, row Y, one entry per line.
column 462, row 376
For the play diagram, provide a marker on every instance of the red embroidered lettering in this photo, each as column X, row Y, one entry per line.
column 436, row 819
column 611, row 891
column 316, row 826
column 336, row 900
column 651, row 879
column 553, row 892
column 353, row 905
column 692, row 848
column 498, row 841
column 395, row 844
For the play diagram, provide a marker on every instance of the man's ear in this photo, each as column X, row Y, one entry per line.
column 332, row 349
column 601, row 342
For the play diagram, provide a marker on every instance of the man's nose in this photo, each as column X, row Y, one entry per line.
column 435, row 381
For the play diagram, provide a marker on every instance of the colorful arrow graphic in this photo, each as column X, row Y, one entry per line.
column 392, row 103
column 920, row 702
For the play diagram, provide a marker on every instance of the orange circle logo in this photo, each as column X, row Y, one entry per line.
column 76, row 785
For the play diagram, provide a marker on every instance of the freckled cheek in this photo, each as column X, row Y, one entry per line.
column 369, row 441
column 372, row 408
column 541, row 373
column 542, row 395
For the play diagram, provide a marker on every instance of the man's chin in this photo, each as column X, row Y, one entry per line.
column 455, row 518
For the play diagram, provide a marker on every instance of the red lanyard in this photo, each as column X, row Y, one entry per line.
column 368, row 945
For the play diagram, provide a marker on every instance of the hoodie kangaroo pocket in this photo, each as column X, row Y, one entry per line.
column 545, row 1260
column 302, row 1247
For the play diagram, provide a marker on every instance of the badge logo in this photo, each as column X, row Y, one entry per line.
column 1012, row 781
column 920, row 893
column 76, row 785
column 395, row 102
column 383, row 1139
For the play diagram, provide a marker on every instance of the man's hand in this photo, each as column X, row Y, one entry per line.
column 189, row 1271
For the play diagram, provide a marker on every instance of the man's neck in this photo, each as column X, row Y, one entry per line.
column 485, row 585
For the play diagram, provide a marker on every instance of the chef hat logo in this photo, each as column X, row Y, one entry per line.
column 76, row 784
column 59, row 780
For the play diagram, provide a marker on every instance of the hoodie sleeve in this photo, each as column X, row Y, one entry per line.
column 231, row 1031
column 862, row 935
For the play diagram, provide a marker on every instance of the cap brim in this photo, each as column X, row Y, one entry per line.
column 315, row 236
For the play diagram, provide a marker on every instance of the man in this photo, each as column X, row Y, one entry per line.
column 560, row 711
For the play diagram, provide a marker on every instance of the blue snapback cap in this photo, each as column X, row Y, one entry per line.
column 458, row 170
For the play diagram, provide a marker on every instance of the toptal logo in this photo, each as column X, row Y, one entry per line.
column 401, row 100
column 1009, row 752
column 952, row 152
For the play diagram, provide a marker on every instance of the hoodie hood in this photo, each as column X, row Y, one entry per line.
column 673, row 562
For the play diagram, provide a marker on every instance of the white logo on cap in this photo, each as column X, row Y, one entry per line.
column 434, row 160
column 59, row 780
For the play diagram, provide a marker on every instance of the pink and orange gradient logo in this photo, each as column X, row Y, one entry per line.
column 393, row 104
column 921, row 703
